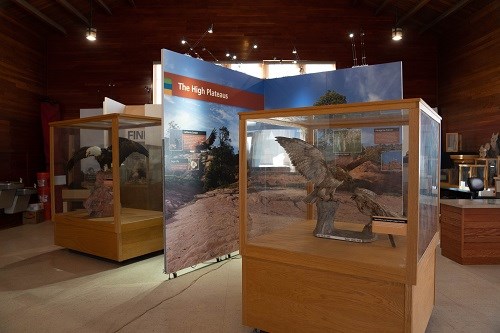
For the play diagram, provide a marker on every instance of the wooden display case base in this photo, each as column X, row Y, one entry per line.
column 470, row 235
column 141, row 233
column 300, row 283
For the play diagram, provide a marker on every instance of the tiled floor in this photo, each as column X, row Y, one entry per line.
column 44, row 288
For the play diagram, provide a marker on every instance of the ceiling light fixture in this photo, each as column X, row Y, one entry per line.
column 208, row 51
column 231, row 56
column 192, row 48
column 91, row 34
column 353, row 48
column 210, row 30
column 397, row 33
column 363, row 53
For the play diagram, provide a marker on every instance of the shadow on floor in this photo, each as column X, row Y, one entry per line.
column 56, row 266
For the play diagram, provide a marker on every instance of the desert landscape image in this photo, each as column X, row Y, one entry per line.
column 205, row 225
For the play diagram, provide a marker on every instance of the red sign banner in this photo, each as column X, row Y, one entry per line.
column 183, row 86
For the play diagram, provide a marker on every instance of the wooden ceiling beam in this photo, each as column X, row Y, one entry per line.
column 411, row 12
column 104, row 6
column 75, row 11
column 40, row 15
column 450, row 11
column 379, row 9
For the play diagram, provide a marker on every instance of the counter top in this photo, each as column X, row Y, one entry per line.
column 472, row 203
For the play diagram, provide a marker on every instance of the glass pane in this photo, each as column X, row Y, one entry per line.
column 429, row 181
column 369, row 161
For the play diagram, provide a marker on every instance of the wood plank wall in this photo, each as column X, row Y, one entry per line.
column 79, row 74
column 469, row 79
column 22, row 84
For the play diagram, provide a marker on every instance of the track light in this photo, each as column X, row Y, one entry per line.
column 208, row 51
column 397, row 34
column 255, row 46
column 211, row 29
column 294, row 51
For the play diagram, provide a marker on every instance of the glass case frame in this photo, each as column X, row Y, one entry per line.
column 405, row 264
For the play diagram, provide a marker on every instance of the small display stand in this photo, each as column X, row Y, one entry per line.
column 130, row 227
column 296, row 282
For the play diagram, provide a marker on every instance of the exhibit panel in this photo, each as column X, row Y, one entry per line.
column 111, row 203
column 325, row 193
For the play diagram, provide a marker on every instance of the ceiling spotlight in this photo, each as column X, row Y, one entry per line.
column 91, row 34
column 351, row 35
column 397, row 34
column 294, row 51
column 234, row 57
column 183, row 41
column 91, row 31
column 228, row 55
column 211, row 29
column 254, row 46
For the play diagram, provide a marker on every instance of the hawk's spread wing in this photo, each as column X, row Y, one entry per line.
column 77, row 156
column 308, row 160
column 367, row 204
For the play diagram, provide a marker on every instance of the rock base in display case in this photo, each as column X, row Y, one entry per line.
column 100, row 201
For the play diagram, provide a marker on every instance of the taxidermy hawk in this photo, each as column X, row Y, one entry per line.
column 311, row 164
column 366, row 202
column 104, row 155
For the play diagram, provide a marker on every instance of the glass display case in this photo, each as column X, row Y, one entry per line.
column 367, row 162
column 491, row 170
column 110, row 203
column 466, row 171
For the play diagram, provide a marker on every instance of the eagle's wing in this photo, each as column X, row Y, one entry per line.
column 128, row 147
column 77, row 156
column 308, row 160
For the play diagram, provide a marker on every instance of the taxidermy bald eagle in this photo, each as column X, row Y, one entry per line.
column 103, row 156
column 311, row 164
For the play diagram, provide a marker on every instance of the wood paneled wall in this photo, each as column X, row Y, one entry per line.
column 36, row 61
column 469, row 79
column 22, row 84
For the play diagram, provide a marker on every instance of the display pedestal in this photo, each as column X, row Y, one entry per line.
column 141, row 233
column 294, row 282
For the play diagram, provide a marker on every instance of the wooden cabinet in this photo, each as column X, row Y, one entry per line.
column 136, row 225
column 296, row 282
column 470, row 230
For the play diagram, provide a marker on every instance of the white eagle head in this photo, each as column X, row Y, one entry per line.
column 93, row 151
